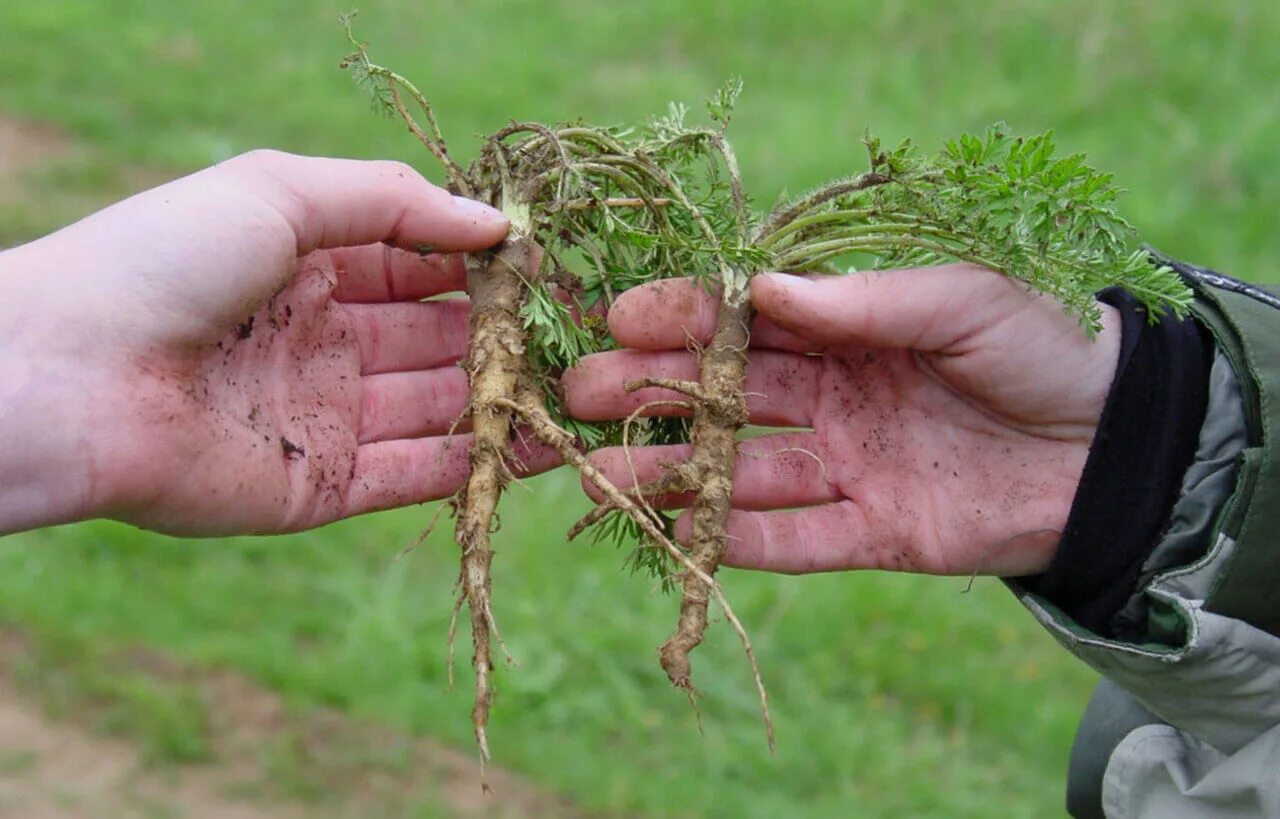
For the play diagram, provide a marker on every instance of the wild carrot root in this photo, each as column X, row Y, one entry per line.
column 720, row 410
column 496, row 364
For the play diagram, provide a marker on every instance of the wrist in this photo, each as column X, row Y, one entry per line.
column 46, row 472
column 1150, row 427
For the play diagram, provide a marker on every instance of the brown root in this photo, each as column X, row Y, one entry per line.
column 496, row 364
column 719, row 412
column 668, row 484
column 690, row 388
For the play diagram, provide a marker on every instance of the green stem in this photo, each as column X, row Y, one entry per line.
column 817, row 198
column 820, row 252
column 818, row 246
column 851, row 215
column 591, row 136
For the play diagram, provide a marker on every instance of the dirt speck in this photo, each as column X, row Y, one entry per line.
column 290, row 449
column 245, row 329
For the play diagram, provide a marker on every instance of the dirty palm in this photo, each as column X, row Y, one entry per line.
column 598, row 210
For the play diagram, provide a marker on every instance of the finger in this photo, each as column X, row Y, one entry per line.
column 771, row 472
column 781, row 388
column 413, row 404
column 674, row 314
column 381, row 273
column 926, row 309
column 344, row 202
column 404, row 336
column 389, row 474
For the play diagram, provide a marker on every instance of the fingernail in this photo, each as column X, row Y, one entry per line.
column 478, row 209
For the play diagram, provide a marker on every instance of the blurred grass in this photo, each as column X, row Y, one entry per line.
column 77, row 678
column 894, row 695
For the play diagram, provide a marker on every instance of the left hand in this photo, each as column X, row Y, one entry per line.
column 242, row 350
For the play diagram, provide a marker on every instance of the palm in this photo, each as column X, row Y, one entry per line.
column 937, row 479
column 294, row 418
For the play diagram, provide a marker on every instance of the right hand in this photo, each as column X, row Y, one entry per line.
column 947, row 413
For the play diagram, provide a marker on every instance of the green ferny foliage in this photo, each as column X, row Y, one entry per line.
column 615, row 207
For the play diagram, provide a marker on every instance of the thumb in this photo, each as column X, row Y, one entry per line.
column 924, row 309
column 349, row 202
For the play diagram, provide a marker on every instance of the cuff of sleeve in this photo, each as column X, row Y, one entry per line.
column 1146, row 440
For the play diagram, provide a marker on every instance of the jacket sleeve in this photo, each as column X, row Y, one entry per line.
column 1187, row 721
column 1160, row 771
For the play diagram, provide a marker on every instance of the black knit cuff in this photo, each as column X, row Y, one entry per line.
column 1145, row 441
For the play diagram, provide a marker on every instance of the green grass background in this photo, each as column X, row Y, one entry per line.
column 894, row 696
